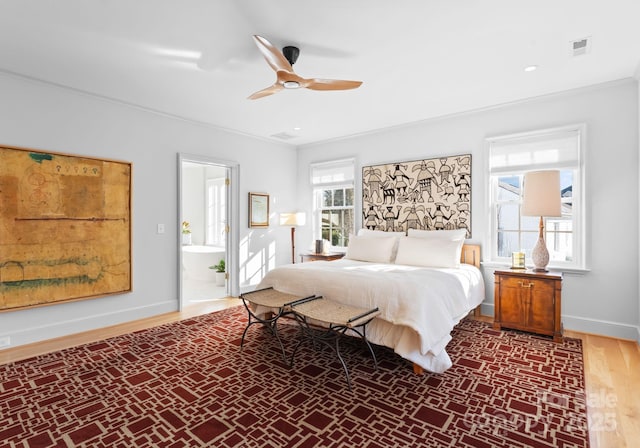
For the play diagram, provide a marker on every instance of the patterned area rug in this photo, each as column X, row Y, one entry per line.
column 187, row 384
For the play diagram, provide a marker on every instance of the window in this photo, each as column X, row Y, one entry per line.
column 333, row 191
column 509, row 158
column 216, row 196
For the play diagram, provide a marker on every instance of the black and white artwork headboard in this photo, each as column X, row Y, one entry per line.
column 429, row 194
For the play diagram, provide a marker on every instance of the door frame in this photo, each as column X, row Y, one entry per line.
column 232, row 237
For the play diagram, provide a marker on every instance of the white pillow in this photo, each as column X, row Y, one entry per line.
column 379, row 233
column 373, row 249
column 429, row 252
column 383, row 234
column 449, row 235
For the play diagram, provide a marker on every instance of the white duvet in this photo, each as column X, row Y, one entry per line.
column 419, row 306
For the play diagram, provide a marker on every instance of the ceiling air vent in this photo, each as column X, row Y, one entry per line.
column 284, row 136
column 580, row 46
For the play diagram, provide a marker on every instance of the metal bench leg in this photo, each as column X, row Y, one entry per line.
column 270, row 324
column 337, row 349
column 363, row 336
column 304, row 328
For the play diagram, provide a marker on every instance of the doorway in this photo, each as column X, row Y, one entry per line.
column 206, row 208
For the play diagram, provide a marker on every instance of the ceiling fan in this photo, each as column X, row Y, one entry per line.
column 281, row 63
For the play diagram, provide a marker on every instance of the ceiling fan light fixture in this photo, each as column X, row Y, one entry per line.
column 291, row 84
column 286, row 78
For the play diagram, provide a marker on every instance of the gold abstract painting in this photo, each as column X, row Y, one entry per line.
column 65, row 228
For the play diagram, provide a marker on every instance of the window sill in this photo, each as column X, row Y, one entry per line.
column 568, row 270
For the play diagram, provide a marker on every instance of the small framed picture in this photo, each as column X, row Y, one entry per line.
column 258, row 210
column 517, row 260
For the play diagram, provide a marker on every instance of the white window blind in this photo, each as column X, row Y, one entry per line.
column 552, row 150
column 334, row 172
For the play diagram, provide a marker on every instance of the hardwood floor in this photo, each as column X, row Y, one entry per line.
column 612, row 371
column 39, row 348
column 612, row 376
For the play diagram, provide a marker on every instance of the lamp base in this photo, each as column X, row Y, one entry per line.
column 540, row 256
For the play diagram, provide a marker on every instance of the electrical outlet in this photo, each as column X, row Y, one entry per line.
column 5, row 341
column 160, row 228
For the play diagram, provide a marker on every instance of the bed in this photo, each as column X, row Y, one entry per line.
column 424, row 283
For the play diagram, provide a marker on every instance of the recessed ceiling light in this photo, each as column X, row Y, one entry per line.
column 297, row 128
column 531, row 68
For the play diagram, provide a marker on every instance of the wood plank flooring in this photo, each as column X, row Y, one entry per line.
column 612, row 371
column 39, row 348
column 612, row 377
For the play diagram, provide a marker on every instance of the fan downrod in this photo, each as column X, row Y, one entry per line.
column 291, row 54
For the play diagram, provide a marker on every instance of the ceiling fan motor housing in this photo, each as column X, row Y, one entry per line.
column 291, row 54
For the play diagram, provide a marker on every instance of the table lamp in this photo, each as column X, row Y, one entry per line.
column 541, row 197
column 293, row 219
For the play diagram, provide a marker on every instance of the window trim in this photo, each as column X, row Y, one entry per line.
column 319, row 208
column 316, row 189
column 216, row 182
column 580, row 263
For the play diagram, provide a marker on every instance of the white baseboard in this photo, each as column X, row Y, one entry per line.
column 586, row 325
column 601, row 327
column 487, row 309
column 79, row 325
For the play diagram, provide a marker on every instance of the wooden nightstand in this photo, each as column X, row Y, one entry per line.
column 310, row 256
column 529, row 301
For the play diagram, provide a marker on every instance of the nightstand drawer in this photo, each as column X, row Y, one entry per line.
column 541, row 286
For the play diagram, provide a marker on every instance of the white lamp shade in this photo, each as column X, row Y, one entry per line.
column 541, row 195
column 293, row 219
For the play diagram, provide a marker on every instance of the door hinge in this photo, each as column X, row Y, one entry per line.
column 227, row 229
column 227, row 181
column 226, row 276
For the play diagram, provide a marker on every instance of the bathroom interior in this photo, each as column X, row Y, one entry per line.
column 204, row 239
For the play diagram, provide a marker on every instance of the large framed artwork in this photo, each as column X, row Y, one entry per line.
column 65, row 228
column 429, row 194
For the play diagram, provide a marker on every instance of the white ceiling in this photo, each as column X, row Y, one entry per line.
column 418, row 59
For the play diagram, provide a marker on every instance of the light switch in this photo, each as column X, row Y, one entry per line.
column 160, row 228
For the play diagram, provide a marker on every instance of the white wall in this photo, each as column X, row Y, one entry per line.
column 603, row 300
column 39, row 116
column 637, row 77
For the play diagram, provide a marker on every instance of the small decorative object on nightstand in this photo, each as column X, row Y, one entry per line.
column 310, row 256
column 529, row 301
column 517, row 260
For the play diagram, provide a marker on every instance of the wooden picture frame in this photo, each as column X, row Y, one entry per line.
column 258, row 210
column 65, row 227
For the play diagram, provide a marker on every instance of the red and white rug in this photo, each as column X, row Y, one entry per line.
column 187, row 384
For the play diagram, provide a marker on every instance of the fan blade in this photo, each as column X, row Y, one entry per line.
column 285, row 76
column 274, row 57
column 266, row 92
column 331, row 84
